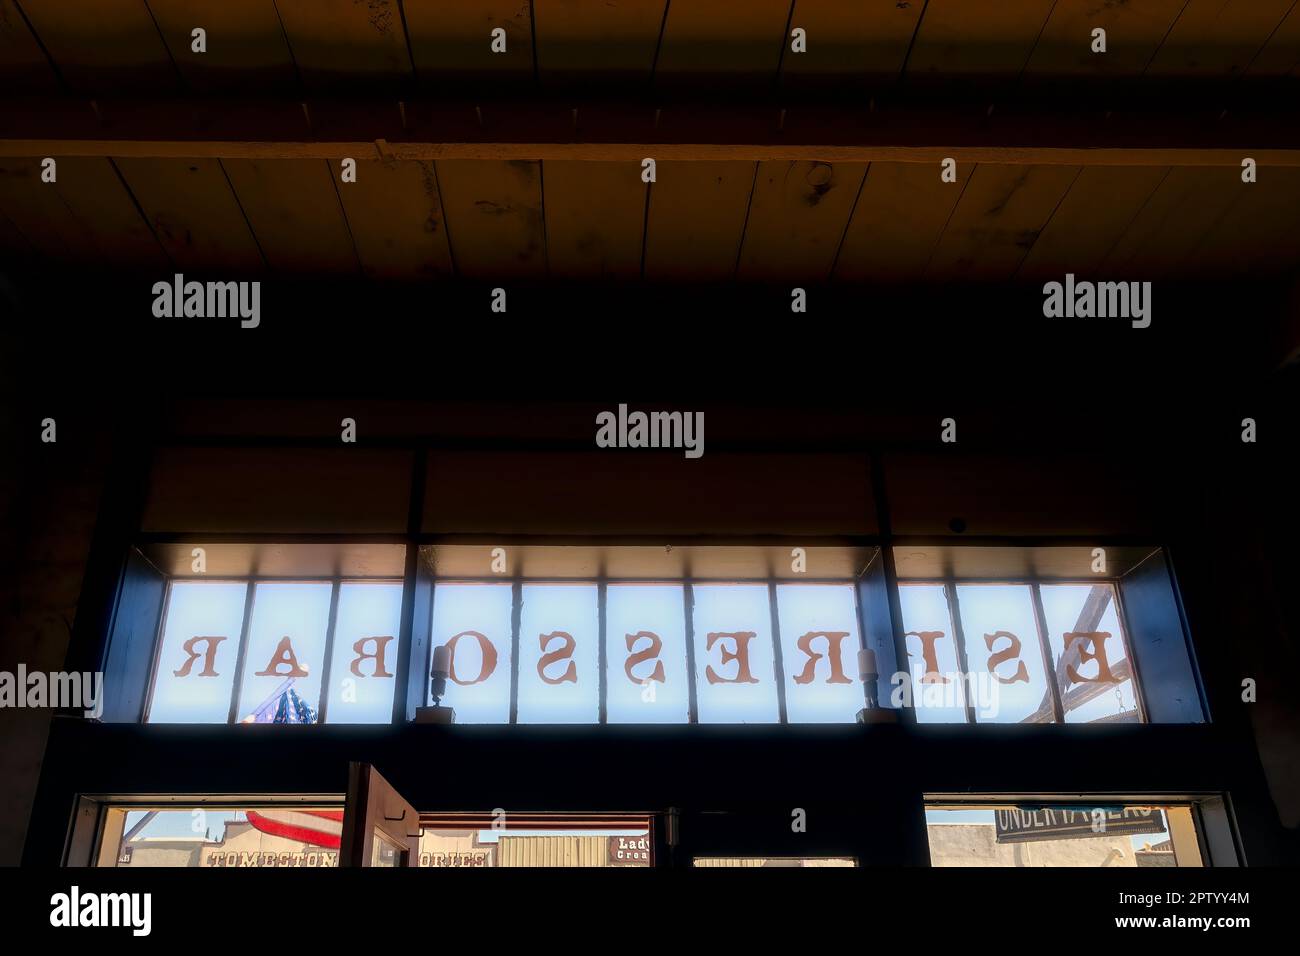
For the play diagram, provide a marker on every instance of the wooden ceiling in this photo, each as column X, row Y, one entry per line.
column 100, row 46
column 146, row 180
column 765, row 221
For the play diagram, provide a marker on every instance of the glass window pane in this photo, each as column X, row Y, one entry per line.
column 559, row 633
column 200, row 644
column 645, row 626
column 735, row 667
column 475, row 621
column 773, row 861
column 1008, row 682
column 819, row 649
column 937, row 693
column 365, row 653
column 1091, row 655
column 383, row 852
column 199, row 837
column 1110, row 836
column 286, row 649
column 549, row 847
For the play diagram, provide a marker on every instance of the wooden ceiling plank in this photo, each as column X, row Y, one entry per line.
column 86, row 214
column 1218, row 37
column 38, row 211
column 896, row 224
column 245, row 46
column 494, row 217
column 1280, row 55
column 107, row 214
column 697, row 217
column 723, row 43
column 12, row 241
column 102, row 46
column 23, row 64
column 614, row 41
column 451, row 42
column 394, row 211
column 1257, row 235
column 1186, row 205
column 860, row 45
column 963, row 42
column 347, row 45
column 998, row 219
column 796, row 219
column 194, row 214
column 1134, row 31
column 1099, row 207
column 595, row 219
column 294, row 212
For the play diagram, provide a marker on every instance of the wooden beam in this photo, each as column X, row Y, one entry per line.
column 365, row 129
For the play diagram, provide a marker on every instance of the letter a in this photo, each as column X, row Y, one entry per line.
column 283, row 657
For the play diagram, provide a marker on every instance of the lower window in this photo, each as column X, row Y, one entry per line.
column 507, row 839
column 1079, row 834
column 211, row 836
column 774, row 861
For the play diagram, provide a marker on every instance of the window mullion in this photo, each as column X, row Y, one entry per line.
column 778, row 663
column 688, row 609
column 1045, row 646
column 516, row 618
column 602, row 590
column 240, row 661
column 323, row 702
column 959, row 640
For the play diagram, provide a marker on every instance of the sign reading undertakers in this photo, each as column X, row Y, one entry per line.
column 1024, row 825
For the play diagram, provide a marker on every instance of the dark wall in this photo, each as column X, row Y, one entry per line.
column 1063, row 429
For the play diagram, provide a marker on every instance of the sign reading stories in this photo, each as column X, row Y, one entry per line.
column 1025, row 825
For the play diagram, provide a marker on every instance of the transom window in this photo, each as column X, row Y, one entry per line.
column 286, row 652
column 707, row 652
column 642, row 635
column 1018, row 653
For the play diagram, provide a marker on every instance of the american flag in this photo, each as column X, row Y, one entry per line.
column 283, row 706
column 292, row 709
column 315, row 827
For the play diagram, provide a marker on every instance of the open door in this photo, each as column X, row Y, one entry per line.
column 379, row 827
